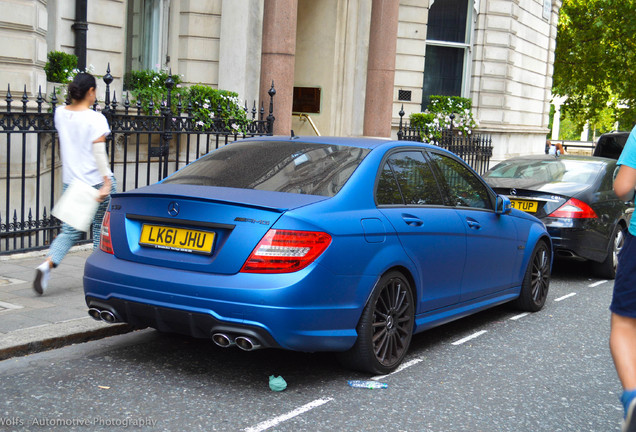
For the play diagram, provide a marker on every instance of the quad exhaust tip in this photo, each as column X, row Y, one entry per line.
column 246, row 344
column 95, row 314
column 103, row 315
column 243, row 342
column 108, row 316
column 222, row 340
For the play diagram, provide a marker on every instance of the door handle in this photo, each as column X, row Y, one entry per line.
column 473, row 224
column 412, row 220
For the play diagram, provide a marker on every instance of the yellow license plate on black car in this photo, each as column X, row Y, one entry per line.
column 177, row 239
column 524, row 205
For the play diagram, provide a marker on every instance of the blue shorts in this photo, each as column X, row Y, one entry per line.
column 624, row 298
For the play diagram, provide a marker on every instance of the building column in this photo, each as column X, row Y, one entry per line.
column 277, row 59
column 378, row 103
column 240, row 48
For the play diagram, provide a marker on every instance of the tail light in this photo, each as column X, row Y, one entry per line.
column 105, row 243
column 575, row 209
column 286, row 251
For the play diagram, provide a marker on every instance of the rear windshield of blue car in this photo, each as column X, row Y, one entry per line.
column 554, row 170
column 277, row 166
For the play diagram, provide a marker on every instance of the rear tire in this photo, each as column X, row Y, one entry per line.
column 385, row 328
column 536, row 282
column 607, row 268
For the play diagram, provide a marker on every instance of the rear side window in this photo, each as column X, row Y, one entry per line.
column 407, row 178
column 464, row 188
column 277, row 166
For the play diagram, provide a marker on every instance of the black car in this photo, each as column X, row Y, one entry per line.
column 610, row 145
column 573, row 196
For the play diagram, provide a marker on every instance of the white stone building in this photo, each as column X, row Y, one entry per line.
column 359, row 54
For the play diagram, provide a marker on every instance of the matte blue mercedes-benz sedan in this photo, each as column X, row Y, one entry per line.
column 349, row 245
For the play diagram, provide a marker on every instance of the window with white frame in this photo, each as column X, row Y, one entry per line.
column 448, row 49
column 147, row 34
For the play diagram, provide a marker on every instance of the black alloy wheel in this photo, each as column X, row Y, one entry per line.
column 607, row 268
column 385, row 327
column 536, row 282
column 392, row 322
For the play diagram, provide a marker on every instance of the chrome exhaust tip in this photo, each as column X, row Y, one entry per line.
column 95, row 314
column 108, row 316
column 246, row 344
column 222, row 340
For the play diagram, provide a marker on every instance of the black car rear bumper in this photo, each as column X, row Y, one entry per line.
column 576, row 239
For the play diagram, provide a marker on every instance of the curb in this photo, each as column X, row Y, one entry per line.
column 51, row 336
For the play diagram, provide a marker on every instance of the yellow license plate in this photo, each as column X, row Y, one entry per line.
column 177, row 239
column 526, row 206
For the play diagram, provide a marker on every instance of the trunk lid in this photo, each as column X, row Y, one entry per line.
column 548, row 197
column 196, row 228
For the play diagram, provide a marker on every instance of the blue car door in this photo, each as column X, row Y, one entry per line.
column 491, row 239
column 432, row 234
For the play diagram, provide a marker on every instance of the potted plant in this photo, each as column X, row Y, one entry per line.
column 60, row 69
column 437, row 118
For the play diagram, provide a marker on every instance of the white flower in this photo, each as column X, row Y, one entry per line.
column 199, row 123
column 211, row 115
column 206, row 106
column 235, row 126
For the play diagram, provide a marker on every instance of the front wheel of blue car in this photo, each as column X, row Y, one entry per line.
column 385, row 327
column 536, row 282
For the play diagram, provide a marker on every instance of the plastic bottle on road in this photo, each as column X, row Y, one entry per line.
column 367, row 384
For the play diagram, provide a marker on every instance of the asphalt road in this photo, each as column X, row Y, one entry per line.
column 497, row 371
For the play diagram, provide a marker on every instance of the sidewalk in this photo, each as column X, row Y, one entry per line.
column 30, row 323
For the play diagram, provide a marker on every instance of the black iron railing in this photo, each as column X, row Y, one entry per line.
column 474, row 149
column 143, row 148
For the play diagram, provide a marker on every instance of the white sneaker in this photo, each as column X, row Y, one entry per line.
column 42, row 275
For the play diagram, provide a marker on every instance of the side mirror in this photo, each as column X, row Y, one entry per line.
column 503, row 205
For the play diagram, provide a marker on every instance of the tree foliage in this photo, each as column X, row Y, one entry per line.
column 595, row 64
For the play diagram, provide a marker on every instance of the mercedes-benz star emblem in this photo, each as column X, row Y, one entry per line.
column 173, row 208
column 513, row 191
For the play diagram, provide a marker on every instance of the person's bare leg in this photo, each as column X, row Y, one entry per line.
column 623, row 348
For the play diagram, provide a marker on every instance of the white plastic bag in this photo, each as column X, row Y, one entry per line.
column 77, row 206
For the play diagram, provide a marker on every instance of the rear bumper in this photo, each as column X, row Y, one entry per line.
column 577, row 241
column 310, row 310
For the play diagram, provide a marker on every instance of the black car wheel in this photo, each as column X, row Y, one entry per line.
column 607, row 269
column 536, row 282
column 385, row 327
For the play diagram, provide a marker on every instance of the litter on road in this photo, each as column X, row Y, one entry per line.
column 367, row 384
column 277, row 384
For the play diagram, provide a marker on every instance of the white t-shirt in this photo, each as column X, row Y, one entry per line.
column 77, row 130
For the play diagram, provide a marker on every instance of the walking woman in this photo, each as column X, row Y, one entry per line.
column 82, row 134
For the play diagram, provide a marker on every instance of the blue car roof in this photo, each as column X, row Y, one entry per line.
column 362, row 142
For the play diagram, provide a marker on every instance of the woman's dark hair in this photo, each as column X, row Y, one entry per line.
column 81, row 84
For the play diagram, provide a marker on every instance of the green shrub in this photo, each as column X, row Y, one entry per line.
column 60, row 66
column 449, row 104
column 148, row 86
column 207, row 102
column 432, row 122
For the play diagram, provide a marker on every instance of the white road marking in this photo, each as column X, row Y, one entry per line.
column 472, row 336
column 516, row 317
column 595, row 284
column 10, row 306
column 564, row 297
column 399, row 369
column 284, row 417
